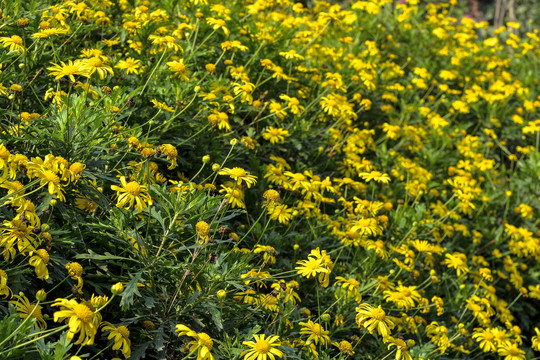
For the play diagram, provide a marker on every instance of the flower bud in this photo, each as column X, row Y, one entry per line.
column 41, row 295
column 221, row 294
column 117, row 288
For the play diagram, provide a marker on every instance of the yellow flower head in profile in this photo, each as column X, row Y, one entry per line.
column 132, row 194
column 39, row 261
column 120, row 336
column 401, row 348
column 239, row 175
column 70, row 69
column 375, row 175
column 5, row 291
column 14, row 43
column 202, row 343
column 262, row 348
column 82, row 320
column 23, row 306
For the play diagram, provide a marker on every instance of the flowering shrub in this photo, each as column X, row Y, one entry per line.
column 262, row 179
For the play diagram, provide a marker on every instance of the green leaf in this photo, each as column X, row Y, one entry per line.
column 216, row 315
column 131, row 289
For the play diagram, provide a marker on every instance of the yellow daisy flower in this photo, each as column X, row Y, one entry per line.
column 132, row 193
column 82, row 319
column 121, row 338
column 262, row 348
column 202, row 343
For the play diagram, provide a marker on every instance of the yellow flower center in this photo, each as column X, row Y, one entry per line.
column 83, row 312
column 205, row 340
column 457, row 262
column 133, row 188
column 123, row 331
column 262, row 347
column 488, row 336
column 179, row 67
column 237, row 173
column 95, row 62
column 401, row 344
column 406, row 292
column 51, row 177
column 16, row 40
column 514, row 351
column 317, row 329
column 378, row 314
column 42, row 253
column 70, row 70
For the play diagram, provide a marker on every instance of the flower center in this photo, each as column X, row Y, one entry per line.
column 70, row 70
column 133, row 188
column 205, row 340
column 238, row 172
column 83, row 312
column 42, row 253
column 262, row 347
column 51, row 177
column 378, row 314
column 95, row 62
column 16, row 40
column 123, row 331
column 317, row 329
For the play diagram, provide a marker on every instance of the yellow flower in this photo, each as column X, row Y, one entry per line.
column 511, row 351
column 318, row 263
column 401, row 348
column 280, row 213
column 239, row 175
column 457, row 261
column 179, row 69
column 233, row 195
column 14, row 43
column 486, row 338
column 161, row 105
column 96, row 64
column 26, row 309
column 131, row 65
column 202, row 343
column 275, row 135
column 315, row 331
column 4, row 289
column 46, row 33
column 262, row 348
column 82, row 319
column 374, row 319
column 132, row 193
column 39, row 261
column 403, row 297
column 536, row 340
column 70, row 69
column 345, row 347
column 121, row 338
column 171, row 153
column 375, row 175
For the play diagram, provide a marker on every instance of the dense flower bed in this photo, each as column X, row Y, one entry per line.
column 260, row 179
